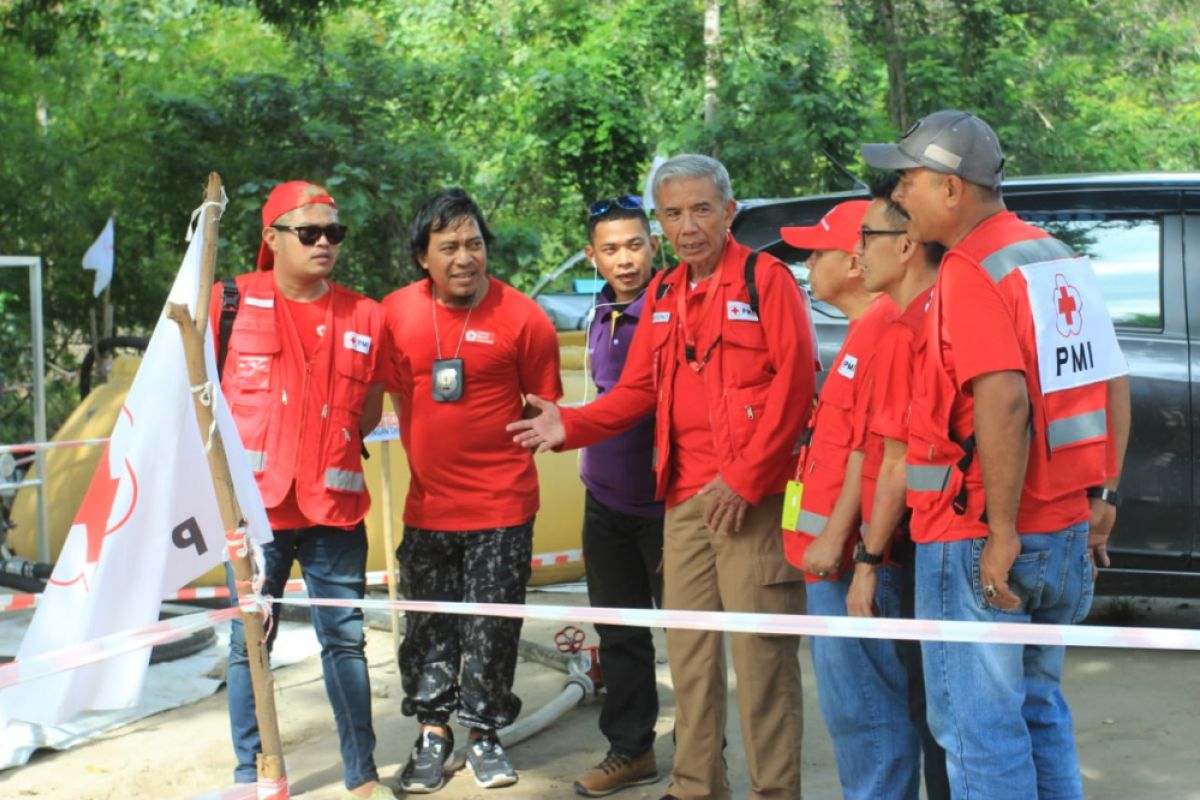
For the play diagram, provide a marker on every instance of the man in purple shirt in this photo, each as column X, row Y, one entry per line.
column 623, row 523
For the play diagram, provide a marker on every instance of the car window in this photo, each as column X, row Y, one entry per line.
column 1126, row 253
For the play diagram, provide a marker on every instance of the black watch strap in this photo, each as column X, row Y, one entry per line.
column 1110, row 496
column 861, row 556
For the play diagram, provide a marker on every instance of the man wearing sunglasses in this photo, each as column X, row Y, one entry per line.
column 622, row 522
column 729, row 374
column 467, row 349
column 303, row 376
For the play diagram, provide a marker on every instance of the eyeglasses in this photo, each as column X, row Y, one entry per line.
column 311, row 234
column 866, row 233
column 629, row 202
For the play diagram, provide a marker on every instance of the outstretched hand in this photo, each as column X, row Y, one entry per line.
column 544, row 430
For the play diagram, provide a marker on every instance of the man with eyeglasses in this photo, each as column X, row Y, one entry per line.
column 303, row 375
column 622, row 520
column 822, row 523
column 724, row 357
column 467, row 349
column 1006, row 449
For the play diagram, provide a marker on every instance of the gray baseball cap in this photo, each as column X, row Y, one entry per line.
column 952, row 142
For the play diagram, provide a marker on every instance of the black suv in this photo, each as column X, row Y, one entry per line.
column 1142, row 233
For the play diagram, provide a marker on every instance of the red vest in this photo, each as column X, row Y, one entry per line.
column 822, row 465
column 1068, row 447
column 299, row 420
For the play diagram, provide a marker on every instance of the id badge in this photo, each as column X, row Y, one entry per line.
column 447, row 380
column 791, row 505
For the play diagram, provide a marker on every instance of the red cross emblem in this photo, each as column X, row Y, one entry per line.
column 1070, row 307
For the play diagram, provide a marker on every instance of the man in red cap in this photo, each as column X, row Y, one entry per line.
column 723, row 356
column 860, row 682
column 303, row 375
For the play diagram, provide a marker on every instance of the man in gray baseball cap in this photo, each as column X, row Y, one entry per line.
column 1002, row 534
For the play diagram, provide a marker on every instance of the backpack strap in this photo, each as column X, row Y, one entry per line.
column 229, row 309
column 748, row 276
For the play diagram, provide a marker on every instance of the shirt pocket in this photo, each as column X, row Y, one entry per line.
column 255, row 353
column 746, row 358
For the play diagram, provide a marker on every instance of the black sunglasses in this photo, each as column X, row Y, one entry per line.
column 311, row 234
column 629, row 202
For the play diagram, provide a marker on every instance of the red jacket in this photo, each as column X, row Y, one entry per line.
column 299, row 421
column 759, row 379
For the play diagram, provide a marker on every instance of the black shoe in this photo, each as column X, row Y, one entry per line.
column 488, row 762
column 425, row 770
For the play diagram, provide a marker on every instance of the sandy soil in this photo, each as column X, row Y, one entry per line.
column 1137, row 718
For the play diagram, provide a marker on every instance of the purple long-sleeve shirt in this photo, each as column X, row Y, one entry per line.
column 619, row 471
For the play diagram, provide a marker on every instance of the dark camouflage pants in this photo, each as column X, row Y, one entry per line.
column 452, row 662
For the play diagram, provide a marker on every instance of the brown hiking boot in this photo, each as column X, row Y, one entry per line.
column 616, row 772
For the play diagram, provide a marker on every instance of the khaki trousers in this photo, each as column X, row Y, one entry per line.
column 742, row 572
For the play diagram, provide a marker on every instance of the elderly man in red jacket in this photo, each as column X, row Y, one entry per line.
column 723, row 356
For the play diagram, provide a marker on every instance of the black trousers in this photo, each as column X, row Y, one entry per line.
column 454, row 663
column 622, row 555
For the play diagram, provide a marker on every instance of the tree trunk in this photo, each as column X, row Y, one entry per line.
column 712, row 58
column 893, row 55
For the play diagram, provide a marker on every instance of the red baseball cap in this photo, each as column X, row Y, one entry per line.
column 837, row 230
column 284, row 198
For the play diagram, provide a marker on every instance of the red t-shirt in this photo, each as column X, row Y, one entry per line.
column 885, row 415
column 695, row 462
column 466, row 471
column 308, row 319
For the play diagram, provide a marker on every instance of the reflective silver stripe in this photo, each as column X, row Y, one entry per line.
column 811, row 522
column 1029, row 251
column 1079, row 428
column 258, row 460
column 345, row 480
column 922, row 478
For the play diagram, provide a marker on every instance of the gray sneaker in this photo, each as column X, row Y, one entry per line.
column 488, row 762
column 425, row 770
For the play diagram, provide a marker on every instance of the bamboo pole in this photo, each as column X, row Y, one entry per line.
column 389, row 540
column 270, row 760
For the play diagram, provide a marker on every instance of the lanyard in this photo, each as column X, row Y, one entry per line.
column 689, row 341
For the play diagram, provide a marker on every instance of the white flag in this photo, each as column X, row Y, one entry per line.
column 99, row 257
column 148, row 524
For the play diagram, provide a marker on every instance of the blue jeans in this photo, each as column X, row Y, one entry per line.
column 333, row 562
column 998, row 709
column 862, row 687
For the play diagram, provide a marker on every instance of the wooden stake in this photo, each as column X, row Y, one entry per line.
column 270, row 760
column 389, row 541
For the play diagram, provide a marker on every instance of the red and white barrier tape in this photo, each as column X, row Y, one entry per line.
column 32, row 447
column 804, row 624
column 106, row 647
column 17, row 602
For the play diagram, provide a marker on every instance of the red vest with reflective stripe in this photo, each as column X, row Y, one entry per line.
column 299, row 420
column 1068, row 446
column 822, row 468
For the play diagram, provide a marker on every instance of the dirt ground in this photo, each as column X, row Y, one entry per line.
column 1137, row 716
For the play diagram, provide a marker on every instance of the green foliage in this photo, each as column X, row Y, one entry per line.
column 537, row 107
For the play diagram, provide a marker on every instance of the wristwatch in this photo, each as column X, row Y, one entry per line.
column 1110, row 496
column 861, row 556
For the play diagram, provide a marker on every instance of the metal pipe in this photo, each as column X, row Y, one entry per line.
column 39, row 400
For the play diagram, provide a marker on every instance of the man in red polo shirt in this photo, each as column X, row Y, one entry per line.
column 883, row 582
column 1007, row 447
column 467, row 349
column 731, row 383
column 303, row 375
column 860, row 683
